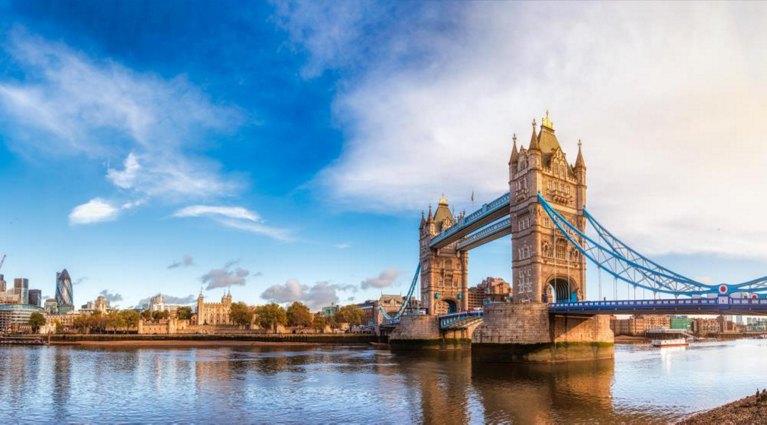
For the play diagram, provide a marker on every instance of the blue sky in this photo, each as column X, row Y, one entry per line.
column 286, row 149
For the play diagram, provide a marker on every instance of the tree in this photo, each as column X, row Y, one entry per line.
column 319, row 322
column 299, row 315
column 130, row 318
column 146, row 314
column 158, row 315
column 350, row 314
column 240, row 314
column 36, row 321
column 114, row 320
column 184, row 313
column 271, row 315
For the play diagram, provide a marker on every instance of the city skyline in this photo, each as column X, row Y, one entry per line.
column 278, row 149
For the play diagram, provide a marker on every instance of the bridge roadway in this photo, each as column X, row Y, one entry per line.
column 719, row 305
column 487, row 214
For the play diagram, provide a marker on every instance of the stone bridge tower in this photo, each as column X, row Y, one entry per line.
column 545, row 266
column 444, row 271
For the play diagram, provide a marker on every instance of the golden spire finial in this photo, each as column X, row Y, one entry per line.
column 514, row 138
column 546, row 121
column 442, row 200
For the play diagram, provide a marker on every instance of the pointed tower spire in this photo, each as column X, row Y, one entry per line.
column 579, row 162
column 534, row 139
column 514, row 151
column 429, row 217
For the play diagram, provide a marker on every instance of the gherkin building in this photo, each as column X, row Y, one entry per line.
column 64, row 296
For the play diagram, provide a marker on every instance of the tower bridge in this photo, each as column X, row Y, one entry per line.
column 549, row 317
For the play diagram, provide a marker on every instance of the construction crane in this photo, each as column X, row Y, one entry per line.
column 2, row 261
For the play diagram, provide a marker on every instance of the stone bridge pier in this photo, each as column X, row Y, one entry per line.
column 528, row 333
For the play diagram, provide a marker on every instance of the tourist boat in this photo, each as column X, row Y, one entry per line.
column 668, row 337
column 675, row 342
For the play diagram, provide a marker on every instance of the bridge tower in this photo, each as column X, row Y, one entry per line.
column 444, row 271
column 545, row 266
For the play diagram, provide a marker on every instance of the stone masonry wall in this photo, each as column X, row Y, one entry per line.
column 416, row 328
column 580, row 329
column 514, row 324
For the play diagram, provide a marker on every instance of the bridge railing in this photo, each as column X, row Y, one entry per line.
column 473, row 217
column 453, row 318
column 697, row 304
column 490, row 230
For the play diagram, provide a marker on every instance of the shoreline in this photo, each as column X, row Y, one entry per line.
column 747, row 410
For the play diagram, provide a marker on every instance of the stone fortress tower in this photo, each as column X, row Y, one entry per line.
column 444, row 272
column 545, row 267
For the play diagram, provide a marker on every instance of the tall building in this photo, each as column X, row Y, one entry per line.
column 2, row 283
column 545, row 266
column 21, row 286
column 35, row 297
column 444, row 272
column 64, row 294
column 214, row 313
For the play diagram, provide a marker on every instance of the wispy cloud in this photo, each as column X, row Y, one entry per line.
column 237, row 218
column 186, row 261
column 316, row 296
column 70, row 104
column 342, row 245
column 668, row 99
column 384, row 279
column 110, row 296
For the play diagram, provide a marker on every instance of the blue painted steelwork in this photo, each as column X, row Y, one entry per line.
column 718, row 305
column 501, row 203
column 491, row 232
column 455, row 318
column 405, row 301
column 622, row 268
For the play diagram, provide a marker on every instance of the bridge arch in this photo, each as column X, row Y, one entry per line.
column 559, row 289
column 446, row 306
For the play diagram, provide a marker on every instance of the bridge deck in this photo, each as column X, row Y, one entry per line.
column 720, row 305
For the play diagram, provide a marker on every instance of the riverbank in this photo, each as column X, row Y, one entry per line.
column 749, row 410
column 211, row 340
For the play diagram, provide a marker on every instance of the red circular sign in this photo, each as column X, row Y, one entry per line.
column 722, row 289
column 754, row 296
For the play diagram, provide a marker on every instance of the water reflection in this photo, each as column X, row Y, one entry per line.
column 332, row 384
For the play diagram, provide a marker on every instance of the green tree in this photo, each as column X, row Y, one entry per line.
column 319, row 322
column 114, row 320
column 130, row 318
column 146, row 314
column 271, row 315
column 36, row 321
column 59, row 326
column 158, row 315
column 240, row 314
column 98, row 321
column 299, row 315
column 184, row 313
column 351, row 314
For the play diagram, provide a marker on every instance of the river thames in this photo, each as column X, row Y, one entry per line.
column 65, row 384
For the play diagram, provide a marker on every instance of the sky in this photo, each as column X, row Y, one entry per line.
column 285, row 150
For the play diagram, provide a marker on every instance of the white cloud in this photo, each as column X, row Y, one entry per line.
column 94, row 211
column 69, row 104
column 237, row 218
column 384, row 279
column 217, row 211
column 315, row 297
column 226, row 276
column 668, row 110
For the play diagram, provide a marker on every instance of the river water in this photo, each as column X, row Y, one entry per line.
column 227, row 385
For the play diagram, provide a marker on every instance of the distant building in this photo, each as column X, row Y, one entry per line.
column 214, row 313
column 100, row 304
column 492, row 289
column 21, row 286
column 2, row 283
column 64, row 294
column 16, row 315
column 157, row 303
column 35, row 297
column 50, row 306
column 330, row 310
column 639, row 324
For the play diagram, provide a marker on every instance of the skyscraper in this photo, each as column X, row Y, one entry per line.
column 21, row 286
column 64, row 294
column 2, row 283
column 35, row 297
